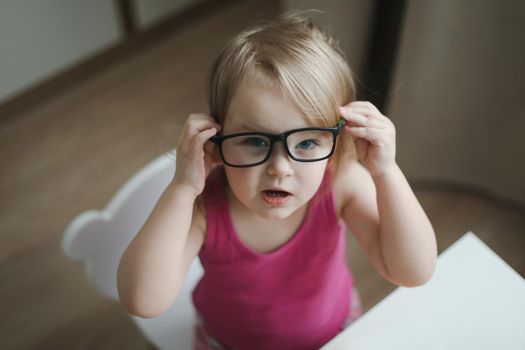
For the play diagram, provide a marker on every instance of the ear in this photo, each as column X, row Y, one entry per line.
column 216, row 156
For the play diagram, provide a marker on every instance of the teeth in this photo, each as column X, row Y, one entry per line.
column 276, row 193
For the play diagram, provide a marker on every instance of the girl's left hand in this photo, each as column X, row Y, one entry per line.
column 374, row 136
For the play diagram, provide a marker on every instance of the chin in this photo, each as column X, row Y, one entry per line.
column 276, row 213
column 270, row 216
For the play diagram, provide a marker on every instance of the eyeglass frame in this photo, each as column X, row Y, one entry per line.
column 218, row 139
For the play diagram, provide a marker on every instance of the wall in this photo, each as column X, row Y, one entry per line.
column 149, row 12
column 457, row 96
column 349, row 20
column 40, row 38
column 457, row 93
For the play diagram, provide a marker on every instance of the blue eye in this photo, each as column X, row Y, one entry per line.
column 256, row 142
column 306, row 144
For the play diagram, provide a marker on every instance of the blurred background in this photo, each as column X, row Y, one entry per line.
column 91, row 91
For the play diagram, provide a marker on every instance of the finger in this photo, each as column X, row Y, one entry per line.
column 194, row 149
column 354, row 118
column 363, row 109
column 366, row 108
column 371, row 134
column 358, row 103
column 202, row 116
column 195, row 124
column 364, row 104
column 359, row 119
column 369, row 113
column 203, row 136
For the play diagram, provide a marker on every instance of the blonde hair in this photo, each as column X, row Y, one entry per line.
column 303, row 60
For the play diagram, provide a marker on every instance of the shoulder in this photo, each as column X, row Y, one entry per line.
column 352, row 184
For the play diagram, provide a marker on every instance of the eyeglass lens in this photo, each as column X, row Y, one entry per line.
column 303, row 145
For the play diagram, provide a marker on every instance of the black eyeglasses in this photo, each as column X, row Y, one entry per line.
column 248, row 149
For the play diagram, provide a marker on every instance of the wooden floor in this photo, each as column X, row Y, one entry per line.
column 71, row 153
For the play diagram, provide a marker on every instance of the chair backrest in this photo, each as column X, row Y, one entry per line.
column 99, row 238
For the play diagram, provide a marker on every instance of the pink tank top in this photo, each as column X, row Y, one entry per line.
column 296, row 297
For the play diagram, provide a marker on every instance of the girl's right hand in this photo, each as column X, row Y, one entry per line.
column 195, row 152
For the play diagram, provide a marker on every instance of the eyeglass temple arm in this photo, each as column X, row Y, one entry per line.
column 341, row 123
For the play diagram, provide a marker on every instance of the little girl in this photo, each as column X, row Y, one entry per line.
column 263, row 191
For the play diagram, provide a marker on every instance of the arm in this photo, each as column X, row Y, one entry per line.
column 381, row 208
column 156, row 262
column 407, row 239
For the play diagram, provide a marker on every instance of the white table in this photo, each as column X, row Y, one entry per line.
column 473, row 301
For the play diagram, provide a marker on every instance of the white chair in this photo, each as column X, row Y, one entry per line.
column 99, row 238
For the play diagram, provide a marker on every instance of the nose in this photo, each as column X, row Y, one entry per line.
column 280, row 163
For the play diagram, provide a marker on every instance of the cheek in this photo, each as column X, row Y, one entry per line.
column 240, row 180
column 312, row 176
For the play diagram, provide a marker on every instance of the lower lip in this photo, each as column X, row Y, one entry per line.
column 276, row 201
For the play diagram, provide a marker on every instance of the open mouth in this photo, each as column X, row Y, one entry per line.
column 276, row 197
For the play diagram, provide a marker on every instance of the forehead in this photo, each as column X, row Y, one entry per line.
column 262, row 107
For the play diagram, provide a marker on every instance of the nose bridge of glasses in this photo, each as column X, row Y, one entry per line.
column 279, row 138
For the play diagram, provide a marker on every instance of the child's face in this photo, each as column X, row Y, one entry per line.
column 258, row 108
